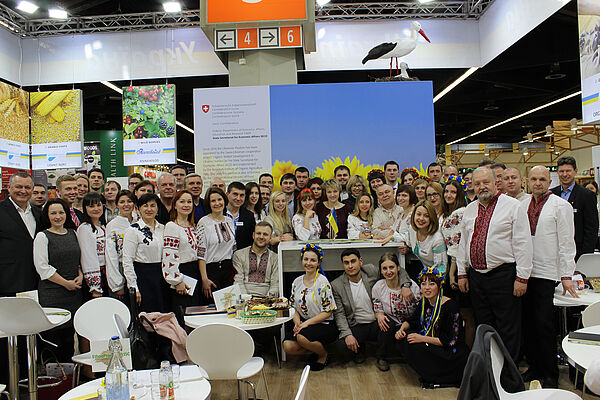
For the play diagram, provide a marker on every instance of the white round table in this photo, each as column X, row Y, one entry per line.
column 192, row 387
column 194, row 321
column 581, row 355
column 586, row 297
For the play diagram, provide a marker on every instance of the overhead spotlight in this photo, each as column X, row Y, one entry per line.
column 425, row 1
column 321, row 3
column 57, row 13
column 172, row 6
column 27, row 7
column 555, row 72
column 530, row 136
column 525, row 152
column 491, row 107
column 573, row 122
column 549, row 131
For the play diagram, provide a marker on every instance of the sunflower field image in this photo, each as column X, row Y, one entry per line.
column 14, row 113
column 56, row 116
column 325, row 171
column 149, row 112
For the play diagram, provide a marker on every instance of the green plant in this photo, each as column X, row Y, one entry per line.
column 149, row 111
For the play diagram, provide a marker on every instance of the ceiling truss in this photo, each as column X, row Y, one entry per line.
column 442, row 9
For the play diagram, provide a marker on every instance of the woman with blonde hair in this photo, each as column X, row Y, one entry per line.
column 361, row 220
column 332, row 209
column 83, row 187
column 279, row 219
column 420, row 186
column 357, row 186
column 305, row 222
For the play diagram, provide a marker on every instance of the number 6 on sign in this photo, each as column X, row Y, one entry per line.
column 291, row 36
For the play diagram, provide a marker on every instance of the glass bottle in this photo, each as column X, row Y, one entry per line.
column 117, row 379
column 165, row 379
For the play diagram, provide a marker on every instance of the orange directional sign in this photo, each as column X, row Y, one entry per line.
column 233, row 11
column 258, row 38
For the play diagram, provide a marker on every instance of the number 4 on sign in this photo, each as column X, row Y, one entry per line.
column 247, row 38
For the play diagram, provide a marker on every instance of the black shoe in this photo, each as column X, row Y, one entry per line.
column 360, row 357
column 550, row 383
column 530, row 375
column 383, row 365
column 317, row 366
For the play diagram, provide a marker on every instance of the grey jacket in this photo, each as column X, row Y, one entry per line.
column 344, row 313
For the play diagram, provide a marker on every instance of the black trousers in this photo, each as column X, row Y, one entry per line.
column 539, row 327
column 387, row 340
column 494, row 303
column 363, row 333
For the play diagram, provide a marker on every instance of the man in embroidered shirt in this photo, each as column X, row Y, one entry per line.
column 552, row 231
column 385, row 216
column 494, row 258
column 66, row 189
column 256, row 267
column 513, row 184
column 583, row 202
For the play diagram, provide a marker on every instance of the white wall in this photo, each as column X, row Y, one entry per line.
column 10, row 55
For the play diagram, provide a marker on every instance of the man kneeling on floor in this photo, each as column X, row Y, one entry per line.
column 354, row 315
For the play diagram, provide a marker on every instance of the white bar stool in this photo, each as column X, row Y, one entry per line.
column 25, row 317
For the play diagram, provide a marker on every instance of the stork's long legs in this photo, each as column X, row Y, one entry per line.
column 391, row 67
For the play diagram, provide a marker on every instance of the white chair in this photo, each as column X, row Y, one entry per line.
column 589, row 264
column 22, row 316
column 225, row 353
column 97, row 319
column 591, row 315
column 539, row 394
column 3, row 392
column 302, row 387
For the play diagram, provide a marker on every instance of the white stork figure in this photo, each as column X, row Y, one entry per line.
column 399, row 48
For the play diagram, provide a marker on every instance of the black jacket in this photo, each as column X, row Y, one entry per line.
column 478, row 378
column 244, row 228
column 17, row 272
column 585, row 215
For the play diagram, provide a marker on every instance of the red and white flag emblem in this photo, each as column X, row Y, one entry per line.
column 205, row 108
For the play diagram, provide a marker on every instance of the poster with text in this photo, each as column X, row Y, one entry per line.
column 56, row 129
column 149, row 135
column 589, row 61
column 232, row 133
column 318, row 126
column 91, row 156
column 14, row 127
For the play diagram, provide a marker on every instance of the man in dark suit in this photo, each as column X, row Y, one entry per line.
column 243, row 219
column 20, row 221
column 354, row 315
column 583, row 201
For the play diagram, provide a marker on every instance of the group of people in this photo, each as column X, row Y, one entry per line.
column 477, row 249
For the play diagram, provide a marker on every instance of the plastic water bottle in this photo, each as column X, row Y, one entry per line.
column 165, row 380
column 117, row 379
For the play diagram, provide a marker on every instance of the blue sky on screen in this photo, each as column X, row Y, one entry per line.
column 375, row 122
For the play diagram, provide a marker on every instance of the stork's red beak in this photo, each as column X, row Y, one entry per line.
column 424, row 35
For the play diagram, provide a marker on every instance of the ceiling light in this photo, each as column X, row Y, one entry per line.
column 555, row 72
column 27, row 7
column 454, row 84
column 185, row 162
column 321, row 3
column 530, row 136
column 113, row 87
column 573, row 122
column 57, row 13
column 425, row 1
column 525, row 153
column 518, row 116
column 172, row 6
column 491, row 107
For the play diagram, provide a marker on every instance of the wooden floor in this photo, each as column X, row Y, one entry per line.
column 346, row 381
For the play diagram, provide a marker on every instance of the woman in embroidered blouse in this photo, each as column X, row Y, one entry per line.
column 390, row 306
column 180, row 253
column 420, row 186
column 408, row 176
column 423, row 237
column 361, row 220
column 56, row 256
column 435, row 195
column 253, row 202
column 315, row 184
column 91, row 235
column 434, row 343
column 305, row 222
column 216, row 234
column 332, row 191
column 313, row 301
column 279, row 219
column 115, row 231
column 407, row 198
column 142, row 255
column 111, row 190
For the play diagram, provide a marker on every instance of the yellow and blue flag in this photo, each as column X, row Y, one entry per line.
column 333, row 221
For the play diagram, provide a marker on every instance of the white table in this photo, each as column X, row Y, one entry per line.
column 194, row 321
column 581, row 355
column 193, row 388
column 586, row 297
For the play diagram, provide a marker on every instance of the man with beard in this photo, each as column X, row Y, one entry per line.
column 495, row 258
column 193, row 183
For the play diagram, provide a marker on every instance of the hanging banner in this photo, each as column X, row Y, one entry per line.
column 589, row 40
column 149, row 125
column 91, row 156
column 232, row 133
column 56, row 129
column 14, row 127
